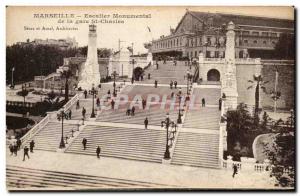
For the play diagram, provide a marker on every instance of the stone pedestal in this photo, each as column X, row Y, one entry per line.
column 150, row 58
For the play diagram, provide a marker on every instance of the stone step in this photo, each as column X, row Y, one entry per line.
column 25, row 177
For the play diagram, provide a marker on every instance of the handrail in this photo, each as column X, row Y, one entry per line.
column 71, row 102
column 35, row 129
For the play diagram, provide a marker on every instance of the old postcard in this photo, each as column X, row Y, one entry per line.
column 150, row 98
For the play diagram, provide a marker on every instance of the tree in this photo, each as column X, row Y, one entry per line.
column 239, row 125
column 259, row 84
column 282, row 154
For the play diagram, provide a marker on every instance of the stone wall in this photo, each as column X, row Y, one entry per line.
column 286, row 83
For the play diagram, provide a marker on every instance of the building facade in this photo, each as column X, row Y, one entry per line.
column 200, row 32
column 63, row 44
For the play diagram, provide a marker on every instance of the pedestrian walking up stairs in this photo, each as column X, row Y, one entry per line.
column 27, row 178
column 48, row 138
column 119, row 142
column 197, row 149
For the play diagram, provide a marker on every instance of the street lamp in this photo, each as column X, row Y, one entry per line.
column 61, row 116
column 132, row 62
column 93, row 92
column 66, row 73
column 12, row 77
column 167, row 123
column 188, row 75
column 292, row 118
column 179, row 120
column 114, row 75
column 24, row 93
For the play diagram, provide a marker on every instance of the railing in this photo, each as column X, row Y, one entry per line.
column 35, row 129
column 247, row 61
column 215, row 59
column 71, row 102
column 249, row 164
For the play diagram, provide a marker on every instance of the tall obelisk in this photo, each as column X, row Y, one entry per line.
column 90, row 73
column 229, row 83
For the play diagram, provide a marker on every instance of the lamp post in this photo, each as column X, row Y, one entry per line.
column 167, row 123
column 292, row 118
column 93, row 92
column 66, row 73
column 12, row 77
column 62, row 115
column 179, row 120
column 24, row 93
column 132, row 62
column 187, row 78
column 114, row 75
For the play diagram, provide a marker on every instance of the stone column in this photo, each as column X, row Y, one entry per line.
column 229, row 83
column 201, row 66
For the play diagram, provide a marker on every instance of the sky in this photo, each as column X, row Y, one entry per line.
column 20, row 19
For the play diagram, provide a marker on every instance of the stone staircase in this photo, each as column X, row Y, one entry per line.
column 197, row 149
column 48, row 138
column 198, row 143
column 27, row 178
column 203, row 118
column 127, row 143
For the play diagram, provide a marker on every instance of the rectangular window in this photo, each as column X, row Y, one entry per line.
column 273, row 34
column 207, row 54
column 246, row 32
column 245, row 41
column 255, row 33
column 217, row 54
column 265, row 34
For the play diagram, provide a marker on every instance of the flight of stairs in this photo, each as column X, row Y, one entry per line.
column 48, row 138
column 24, row 178
column 203, row 118
column 127, row 143
column 197, row 149
column 198, row 144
